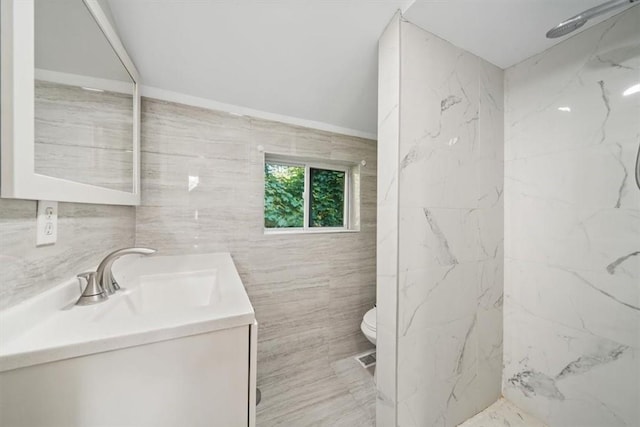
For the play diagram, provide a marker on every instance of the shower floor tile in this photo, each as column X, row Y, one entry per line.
column 338, row 394
column 503, row 413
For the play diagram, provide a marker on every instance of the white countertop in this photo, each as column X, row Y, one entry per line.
column 50, row 327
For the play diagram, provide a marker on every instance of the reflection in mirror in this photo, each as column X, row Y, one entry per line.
column 83, row 100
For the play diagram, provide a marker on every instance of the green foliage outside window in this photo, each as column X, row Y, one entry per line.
column 327, row 198
column 284, row 201
column 283, row 196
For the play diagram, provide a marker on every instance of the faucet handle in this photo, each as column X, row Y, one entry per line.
column 93, row 292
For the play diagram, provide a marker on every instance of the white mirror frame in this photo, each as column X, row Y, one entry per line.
column 18, row 179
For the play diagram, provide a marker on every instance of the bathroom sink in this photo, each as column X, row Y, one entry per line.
column 164, row 293
column 162, row 297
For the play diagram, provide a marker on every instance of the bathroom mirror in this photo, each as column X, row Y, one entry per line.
column 70, row 105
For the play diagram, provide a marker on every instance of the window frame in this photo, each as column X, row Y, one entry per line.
column 309, row 164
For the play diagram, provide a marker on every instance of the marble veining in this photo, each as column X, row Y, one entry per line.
column 572, row 227
column 446, row 257
column 441, row 258
column 448, row 102
column 605, row 293
column 450, row 232
column 590, row 361
column 536, row 383
column 611, row 268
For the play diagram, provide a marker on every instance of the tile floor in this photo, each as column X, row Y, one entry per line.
column 343, row 394
column 339, row 394
column 503, row 413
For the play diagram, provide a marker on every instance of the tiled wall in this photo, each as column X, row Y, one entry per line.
column 202, row 190
column 448, row 236
column 572, row 252
column 86, row 233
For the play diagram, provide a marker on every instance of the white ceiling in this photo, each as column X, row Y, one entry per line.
column 310, row 59
column 504, row 32
column 313, row 59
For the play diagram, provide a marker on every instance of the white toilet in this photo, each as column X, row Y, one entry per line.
column 368, row 325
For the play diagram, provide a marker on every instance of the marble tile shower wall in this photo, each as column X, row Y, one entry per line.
column 86, row 233
column 572, row 264
column 202, row 190
column 446, row 183
column 450, row 232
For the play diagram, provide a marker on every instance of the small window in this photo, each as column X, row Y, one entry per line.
column 306, row 196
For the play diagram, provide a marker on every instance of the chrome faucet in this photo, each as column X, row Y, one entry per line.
column 105, row 276
column 92, row 293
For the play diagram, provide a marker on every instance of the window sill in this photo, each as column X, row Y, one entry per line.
column 285, row 231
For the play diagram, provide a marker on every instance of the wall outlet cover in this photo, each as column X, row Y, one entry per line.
column 47, row 223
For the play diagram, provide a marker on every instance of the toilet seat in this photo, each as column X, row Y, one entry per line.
column 369, row 319
column 368, row 325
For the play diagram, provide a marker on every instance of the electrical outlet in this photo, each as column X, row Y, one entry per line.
column 47, row 223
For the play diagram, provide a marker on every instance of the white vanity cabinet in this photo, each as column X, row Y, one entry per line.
column 187, row 358
column 200, row 380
